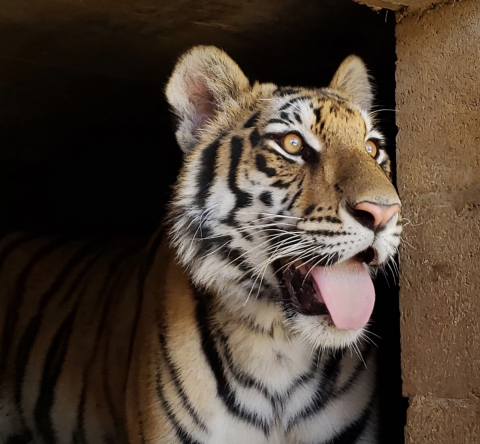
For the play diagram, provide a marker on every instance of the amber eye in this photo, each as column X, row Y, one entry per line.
column 371, row 148
column 292, row 143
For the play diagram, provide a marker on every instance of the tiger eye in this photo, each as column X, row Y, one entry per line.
column 292, row 143
column 371, row 148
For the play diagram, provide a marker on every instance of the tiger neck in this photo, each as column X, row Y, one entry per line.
column 255, row 339
column 250, row 335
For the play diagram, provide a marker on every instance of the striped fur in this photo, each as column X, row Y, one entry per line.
column 192, row 340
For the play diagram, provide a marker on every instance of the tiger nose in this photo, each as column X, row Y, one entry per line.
column 374, row 216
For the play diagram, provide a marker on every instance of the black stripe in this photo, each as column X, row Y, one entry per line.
column 350, row 111
column 23, row 438
column 309, row 210
column 79, row 432
column 285, row 116
column 266, row 198
column 249, row 324
column 252, row 121
column 359, row 368
column 333, row 95
column 292, row 181
column 277, row 121
column 51, row 372
column 206, row 172
column 246, row 380
column 297, row 117
column 78, row 436
column 7, row 249
column 210, row 242
column 282, row 185
column 224, row 391
column 172, row 370
column 292, row 101
column 182, row 434
column 142, row 277
column 31, row 332
column 296, row 195
column 324, row 391
column 350, row 434
column 234, row 256
column 333, row 219
column 306, row 377
column 286, row 91
column 242, row 377
column 255, row 137
column 261, row 164
column 196, row 230
column 15, row 302
column 55, row 358
column 243, row 199
column 327, row 233
column 119, row 428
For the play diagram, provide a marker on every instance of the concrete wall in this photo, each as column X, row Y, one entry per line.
column 438, row 155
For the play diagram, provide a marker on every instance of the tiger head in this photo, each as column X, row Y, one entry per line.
column 284, row 207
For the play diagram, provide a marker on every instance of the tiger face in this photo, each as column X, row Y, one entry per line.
column 284, row 208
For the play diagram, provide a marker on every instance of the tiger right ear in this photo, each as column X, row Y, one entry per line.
column 204, row 83
column 352, row 78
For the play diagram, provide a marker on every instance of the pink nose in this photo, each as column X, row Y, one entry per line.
column 379, row 215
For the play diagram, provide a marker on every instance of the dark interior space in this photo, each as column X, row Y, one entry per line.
column 86, row 138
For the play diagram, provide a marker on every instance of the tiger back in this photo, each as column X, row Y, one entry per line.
column 248, row 323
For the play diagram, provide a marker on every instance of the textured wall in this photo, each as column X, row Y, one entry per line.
column 396, row 5
column 438, row 153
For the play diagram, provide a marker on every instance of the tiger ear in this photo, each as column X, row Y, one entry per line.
column 204, row 83
column 352, row 78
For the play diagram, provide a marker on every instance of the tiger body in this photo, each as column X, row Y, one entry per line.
column 68, row 316
column 209, row 337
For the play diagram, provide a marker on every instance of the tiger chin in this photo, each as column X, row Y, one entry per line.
column 239, row 326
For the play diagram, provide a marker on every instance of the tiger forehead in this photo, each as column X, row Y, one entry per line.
column 323, row 113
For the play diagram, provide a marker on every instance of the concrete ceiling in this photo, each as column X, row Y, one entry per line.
column 72, row 33
column 397, row 5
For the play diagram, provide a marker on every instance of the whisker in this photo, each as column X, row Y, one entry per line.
column 204, row 214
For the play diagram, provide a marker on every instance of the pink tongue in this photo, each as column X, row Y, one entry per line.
column 348, row 293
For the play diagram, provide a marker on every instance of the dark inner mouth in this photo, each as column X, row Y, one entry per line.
column 366, row 256
column 301, row 291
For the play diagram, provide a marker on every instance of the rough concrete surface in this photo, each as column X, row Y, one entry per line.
column 438, row 81
column 452, row 421
column 141, row 28
column 397, row 5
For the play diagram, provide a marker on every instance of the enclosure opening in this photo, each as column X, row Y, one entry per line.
column 87, row 144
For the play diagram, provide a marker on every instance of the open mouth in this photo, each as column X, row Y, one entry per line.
column 343, row 291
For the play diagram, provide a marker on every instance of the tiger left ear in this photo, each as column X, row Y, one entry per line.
column 352, row 79
column 206, row 82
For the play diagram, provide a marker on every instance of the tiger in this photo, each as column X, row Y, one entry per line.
column 245, row 318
